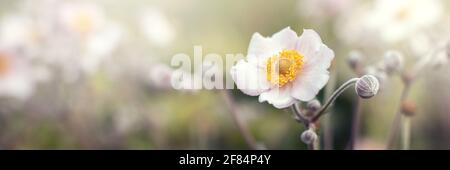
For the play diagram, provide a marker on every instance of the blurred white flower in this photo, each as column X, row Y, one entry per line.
column 18, row 32
column 320, row 9
column 156, row 27
column 87, row 39
column 100, row 46
column 400, row 19
column 16, row 76
column 81, row 18
column 351, row 27
column 284, row 68
column 420, row 44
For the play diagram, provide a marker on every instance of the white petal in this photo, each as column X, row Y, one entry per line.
column 308, row 84
column 260, row 46
column 306, row 87
column 249, row 78
column 278, row 97
column 286, row 38
column 314, row 74
column 320, row 60
column 309, row 43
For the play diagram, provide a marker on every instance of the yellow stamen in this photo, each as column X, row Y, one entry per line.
column 403, row 14
column 284, row 67
column 83, row 23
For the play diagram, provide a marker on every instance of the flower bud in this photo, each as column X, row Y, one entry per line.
column 309, row 136
column 409, row 108
column 393, row 62
column 312, row 107
column 407, row 77
column 367, row 86
column 354, row 60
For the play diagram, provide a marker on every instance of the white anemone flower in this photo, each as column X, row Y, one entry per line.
column 156, row 27
column 19, row 32
column 91, row 35
column 100, row 47
column 402, row 19
column 320, row 9
column 16, row 77
column 81, row 18
column 284, row 68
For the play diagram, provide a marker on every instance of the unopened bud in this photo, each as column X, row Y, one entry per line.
column 308, row 136
column 393, row 62
column 409, row 108
column 354, row 60
column 407, row 77
column 367, row 86
column 312, row 107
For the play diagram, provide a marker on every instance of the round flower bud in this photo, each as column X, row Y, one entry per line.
column 367, row 86
column 312, row 107
column 409, row 108
column 308, row 136
column 393, row 62
column 407, row 77
column 354, row 60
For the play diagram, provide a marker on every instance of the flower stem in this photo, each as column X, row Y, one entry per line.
column 315, row 144
column 243, row 129
column 327, row 125
column 356, row 123
column 299, row 115
column 406, row 132
column 301, row 118
column 396, row 123
column 310, row 122
column 333, row 97
column 416, row 70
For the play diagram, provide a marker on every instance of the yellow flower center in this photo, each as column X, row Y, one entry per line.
column 83, row 23
column 403, row 14
column 283, row 68
column 5, row 64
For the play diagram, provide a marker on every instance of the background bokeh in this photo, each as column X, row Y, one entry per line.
column 95, row 74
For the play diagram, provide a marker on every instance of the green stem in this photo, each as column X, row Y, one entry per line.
column 299, row 115
column 356, row 123
column 406, row 132
column 416, row 70
column 396, row 123
column 333, row 97
column 327, row 125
